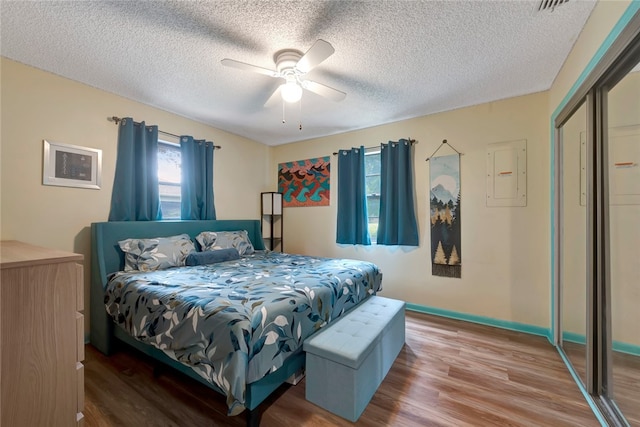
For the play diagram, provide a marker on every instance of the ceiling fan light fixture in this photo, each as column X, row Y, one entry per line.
column 292, row 66
column 291, row 92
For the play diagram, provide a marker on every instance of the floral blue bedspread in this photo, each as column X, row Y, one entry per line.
column 236, row 321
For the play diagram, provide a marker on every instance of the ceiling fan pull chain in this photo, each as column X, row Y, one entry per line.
column 300, row 114
column 283, row 120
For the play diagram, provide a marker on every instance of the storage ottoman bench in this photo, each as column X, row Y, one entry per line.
column 347, row 360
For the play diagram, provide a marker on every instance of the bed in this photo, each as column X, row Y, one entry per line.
column 238, row 325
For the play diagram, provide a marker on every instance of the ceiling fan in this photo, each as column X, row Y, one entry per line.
column 292, row 65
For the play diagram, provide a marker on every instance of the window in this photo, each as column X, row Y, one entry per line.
column 169, row 177
column 372, row 187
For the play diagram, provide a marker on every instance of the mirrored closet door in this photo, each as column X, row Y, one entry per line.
column 623, row 164
column 597, row 244
column 573, row 240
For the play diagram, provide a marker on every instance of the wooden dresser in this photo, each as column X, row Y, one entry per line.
column 41, row 336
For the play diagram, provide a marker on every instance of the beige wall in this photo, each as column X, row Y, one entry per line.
column 37, row 105
column 505, row 264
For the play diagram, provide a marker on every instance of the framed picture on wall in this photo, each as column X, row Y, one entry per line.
column 71, row 166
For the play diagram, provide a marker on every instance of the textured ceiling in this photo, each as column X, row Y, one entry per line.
column 394, row 59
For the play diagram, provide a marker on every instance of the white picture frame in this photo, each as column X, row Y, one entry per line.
column 71, row 166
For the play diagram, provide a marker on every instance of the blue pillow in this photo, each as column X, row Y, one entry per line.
column 212, row 257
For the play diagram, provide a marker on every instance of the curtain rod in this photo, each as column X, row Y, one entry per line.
column 117, row 120
column 411, row 141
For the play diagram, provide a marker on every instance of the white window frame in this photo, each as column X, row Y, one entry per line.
column 164, row 196
column 372, row 225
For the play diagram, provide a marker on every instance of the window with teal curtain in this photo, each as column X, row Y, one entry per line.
column 197, row 179
column 135, row 195
column 352, row 227
column 372, row 184
column 397, row 221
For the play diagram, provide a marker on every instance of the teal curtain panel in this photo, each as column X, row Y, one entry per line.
column 397, row 223
column 352, row 227
column 196, row 193
column 135, row 195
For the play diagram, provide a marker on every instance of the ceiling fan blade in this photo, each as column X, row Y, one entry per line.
column 274, row 98
column 248, row 67
column 324, row 90
column 320, row 51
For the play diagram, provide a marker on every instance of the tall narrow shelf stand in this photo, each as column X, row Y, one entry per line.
column 271, row 208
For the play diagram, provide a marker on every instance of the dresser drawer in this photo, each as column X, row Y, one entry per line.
column 79, row 287
column 80, row 336
column 80, row 386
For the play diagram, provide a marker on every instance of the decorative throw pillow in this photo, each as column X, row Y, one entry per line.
column 156, row 253
column 212, row 257
column 216, row 240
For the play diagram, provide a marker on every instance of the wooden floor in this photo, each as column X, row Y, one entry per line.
column 626, row 379
column 449, row 373
column 626, row 386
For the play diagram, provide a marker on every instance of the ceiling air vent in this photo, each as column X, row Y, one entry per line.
column 550, row 4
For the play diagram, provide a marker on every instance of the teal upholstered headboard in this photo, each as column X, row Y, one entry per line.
column 107, row 258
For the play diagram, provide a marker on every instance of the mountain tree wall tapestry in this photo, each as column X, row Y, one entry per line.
column 446, row 250
column 305, row 182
